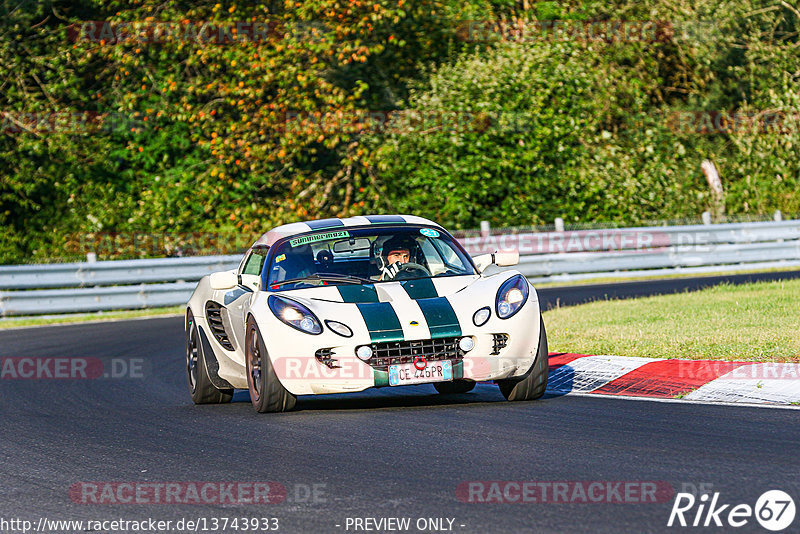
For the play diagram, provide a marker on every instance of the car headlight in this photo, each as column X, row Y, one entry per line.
column 294, row 314
column 481, row 316
column 340, row 328
column 512, row 296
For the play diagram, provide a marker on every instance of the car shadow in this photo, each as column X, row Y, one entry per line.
column 420, row 396
column 560, row 383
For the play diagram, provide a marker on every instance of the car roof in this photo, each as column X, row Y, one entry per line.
column 287, row 230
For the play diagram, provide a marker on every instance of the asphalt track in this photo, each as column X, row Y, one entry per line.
column 381, row 453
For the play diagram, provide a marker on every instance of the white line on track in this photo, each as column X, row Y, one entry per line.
column 93, row 321
column 684, row 401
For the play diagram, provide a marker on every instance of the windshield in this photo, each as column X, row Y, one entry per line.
column 365, row 255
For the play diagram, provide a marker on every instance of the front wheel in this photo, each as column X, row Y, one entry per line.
column 532, row 384
column 200, row 386
column 266, row 392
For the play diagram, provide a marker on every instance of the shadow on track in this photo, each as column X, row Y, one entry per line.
column 421, row 396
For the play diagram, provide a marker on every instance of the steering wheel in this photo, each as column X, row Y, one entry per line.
column 411, row 270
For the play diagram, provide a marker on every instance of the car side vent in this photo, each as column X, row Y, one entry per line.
column 214, row 318
column 499, row 342
column 325, row 356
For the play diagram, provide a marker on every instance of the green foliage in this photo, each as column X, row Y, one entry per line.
column 349, row 106
column 223, row 137
column 523, row 113
column 599, row 138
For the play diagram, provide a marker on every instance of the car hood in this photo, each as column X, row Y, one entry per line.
column 404, row 310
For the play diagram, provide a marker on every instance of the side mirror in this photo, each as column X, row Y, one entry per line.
column 506, row 259
column 501, row 259
column 223, row 280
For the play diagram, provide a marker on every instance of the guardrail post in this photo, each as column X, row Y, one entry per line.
column 778, row 216
column 91, row 257
column 559, row 224
column 714, row 182
column 706, row 217
column 485, row 229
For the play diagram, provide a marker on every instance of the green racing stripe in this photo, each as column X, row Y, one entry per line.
column 441, row 319
column 354, row 293
column 422, row 288
column 381, row 321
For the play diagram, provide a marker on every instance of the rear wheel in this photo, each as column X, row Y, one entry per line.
column 200, row 386
column 532, row 384
column 454, row 387
column 266, row 392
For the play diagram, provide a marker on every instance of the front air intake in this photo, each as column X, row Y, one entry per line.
column 214, row 318
column 499, row 342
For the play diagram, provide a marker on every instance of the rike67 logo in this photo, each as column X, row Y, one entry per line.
column 774, row 510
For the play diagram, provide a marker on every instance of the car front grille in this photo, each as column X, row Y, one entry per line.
column 397, row 352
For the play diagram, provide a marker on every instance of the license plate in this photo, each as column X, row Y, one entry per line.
column 400, row 375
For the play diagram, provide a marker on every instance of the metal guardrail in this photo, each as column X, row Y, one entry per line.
column 547, row 256
column 95, row 298
column 671, row 257
column 108, row 273
column 653, row 237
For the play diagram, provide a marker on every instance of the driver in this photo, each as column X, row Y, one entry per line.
column 396, row 251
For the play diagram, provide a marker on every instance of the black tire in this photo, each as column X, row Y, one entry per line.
column 266, row 391
column 454, row 387
column 200, row 387
column 532, row 384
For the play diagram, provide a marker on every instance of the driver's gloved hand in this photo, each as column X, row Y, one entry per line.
column 391, row 271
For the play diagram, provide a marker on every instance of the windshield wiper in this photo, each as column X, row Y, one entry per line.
column 350, row 277
column 325, row 277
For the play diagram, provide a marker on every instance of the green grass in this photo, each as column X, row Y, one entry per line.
column 612, row 279
column 86, row 317
column 753, row 322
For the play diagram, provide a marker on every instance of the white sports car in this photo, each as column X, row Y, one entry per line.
column 342, row 305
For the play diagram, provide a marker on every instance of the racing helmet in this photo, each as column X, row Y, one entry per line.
column 399, row 242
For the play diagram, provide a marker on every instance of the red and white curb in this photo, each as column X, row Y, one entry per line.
column 709, row 381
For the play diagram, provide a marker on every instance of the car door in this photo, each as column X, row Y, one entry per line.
column 237, row 301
